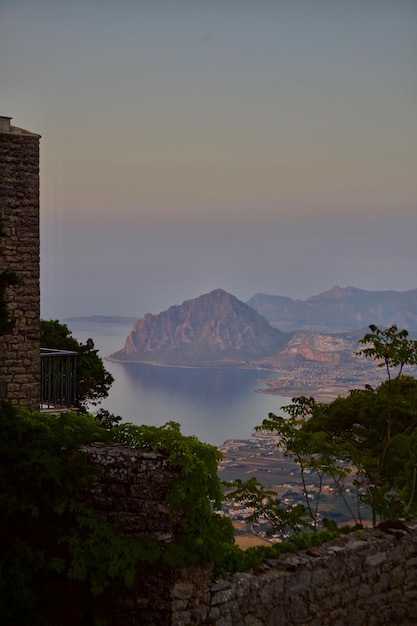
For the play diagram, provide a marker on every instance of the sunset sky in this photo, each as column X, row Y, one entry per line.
column 257, row 146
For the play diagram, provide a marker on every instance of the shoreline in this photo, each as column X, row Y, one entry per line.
column 229, row 365
column 321, row 395
column 274, row 386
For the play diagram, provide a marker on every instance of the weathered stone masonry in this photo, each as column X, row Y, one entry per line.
column 358, row 580
column 363, row 579
column 130, row 493
column 19, row 204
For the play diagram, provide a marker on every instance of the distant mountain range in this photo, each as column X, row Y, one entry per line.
column 217, row 329
column 340, row 309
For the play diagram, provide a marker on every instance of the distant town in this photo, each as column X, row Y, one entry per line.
column 323, row 381
column 260, row 457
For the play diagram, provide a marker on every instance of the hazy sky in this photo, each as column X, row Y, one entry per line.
column 258, row 146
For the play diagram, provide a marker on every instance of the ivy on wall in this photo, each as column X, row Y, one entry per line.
column 196, row 489
column 51, row 539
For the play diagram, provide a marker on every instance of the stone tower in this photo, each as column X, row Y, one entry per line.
column 19, row 208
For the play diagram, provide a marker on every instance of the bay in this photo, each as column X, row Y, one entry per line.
column 214, row 404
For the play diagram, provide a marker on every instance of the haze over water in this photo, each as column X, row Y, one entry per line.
column 213, row 404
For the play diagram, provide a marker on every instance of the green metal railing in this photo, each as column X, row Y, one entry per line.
column 58, row 379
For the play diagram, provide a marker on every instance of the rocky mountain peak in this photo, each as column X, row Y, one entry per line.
column 213, row 329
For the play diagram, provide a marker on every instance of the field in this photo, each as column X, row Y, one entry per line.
column 259, row 457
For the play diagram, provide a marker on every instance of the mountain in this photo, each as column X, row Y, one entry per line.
column 213, row 329
column 340, row 309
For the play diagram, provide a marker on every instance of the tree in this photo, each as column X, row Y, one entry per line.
column 378, row 427
column 93, row 380
column 390, row 348
column 263, row 503
column 376, row 430
column 107, row 420
column 316, row 456
column 371, row 433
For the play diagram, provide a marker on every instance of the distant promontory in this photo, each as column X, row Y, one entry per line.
column 215, row 329
column 316, row 354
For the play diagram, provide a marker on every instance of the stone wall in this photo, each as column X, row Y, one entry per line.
column 19, row 205
column 367, row 578
column 130, row 493
column 358, row 580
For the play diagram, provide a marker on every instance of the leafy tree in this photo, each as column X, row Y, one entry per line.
column 107, row 420
column 377, row 428
column 371, row 433
column 264, row 504
column 93, row 380
column 390, row 348
column 316, row 456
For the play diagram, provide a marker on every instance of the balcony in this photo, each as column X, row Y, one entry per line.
column 58, row 380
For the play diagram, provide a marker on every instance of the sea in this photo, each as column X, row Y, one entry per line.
column 213, row 404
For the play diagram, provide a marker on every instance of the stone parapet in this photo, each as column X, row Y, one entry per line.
column 365, row 578
column 355, row 580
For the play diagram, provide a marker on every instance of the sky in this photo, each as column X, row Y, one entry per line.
column 264, row 146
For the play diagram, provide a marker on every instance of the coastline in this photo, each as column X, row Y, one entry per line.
column 321, row 380
column 319, row 393
column 284, row 385
column 225, row 365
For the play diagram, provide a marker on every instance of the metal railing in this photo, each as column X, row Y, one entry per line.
column 58, row 379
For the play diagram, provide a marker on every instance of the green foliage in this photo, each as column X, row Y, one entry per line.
column 106, row 419
column 50, row 539
column 196, row 489
column 241, row 560
column 265, row 505
column 377, row 431
column 93, row 380
column 315, row 454
column 99, row 555
column 371, row 432
column 8, row 278
column 46, row 533
column 390, row 348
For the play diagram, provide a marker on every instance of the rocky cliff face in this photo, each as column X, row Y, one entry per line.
column 322, row 348
column 214, row 329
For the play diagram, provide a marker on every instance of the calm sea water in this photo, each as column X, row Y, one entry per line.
column 212, row 404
